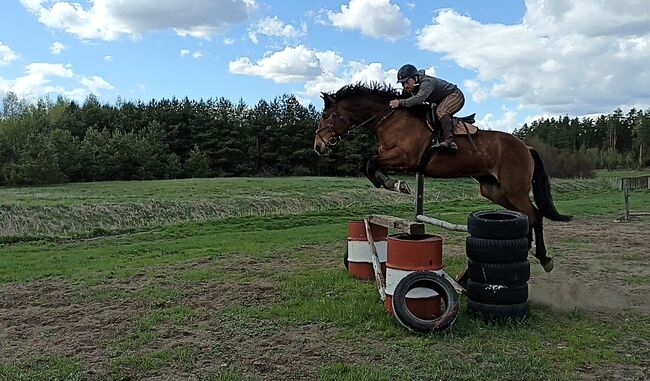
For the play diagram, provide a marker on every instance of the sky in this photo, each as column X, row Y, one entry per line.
column 515, row 60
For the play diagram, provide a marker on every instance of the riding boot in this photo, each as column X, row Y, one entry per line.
column 448, row 133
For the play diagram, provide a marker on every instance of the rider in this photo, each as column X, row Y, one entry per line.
column 426, row 88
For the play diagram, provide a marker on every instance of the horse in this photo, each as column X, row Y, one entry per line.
column 505, row 167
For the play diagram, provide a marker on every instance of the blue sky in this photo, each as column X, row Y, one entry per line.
column 515, row 60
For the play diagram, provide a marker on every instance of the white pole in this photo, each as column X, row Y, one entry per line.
column 376, row 264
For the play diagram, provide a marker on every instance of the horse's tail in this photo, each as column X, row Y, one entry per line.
column 542, row 191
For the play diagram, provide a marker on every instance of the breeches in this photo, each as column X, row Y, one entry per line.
column 450, row 104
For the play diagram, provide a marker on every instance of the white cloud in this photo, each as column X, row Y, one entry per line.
column 110, row 19
column 375, row 18
column 508, row 121
column 228, row 41
column 41, row 79
column 574, row 57
column 57, row 48
column 318, row 71
column 289, row 65
column 108, row 58
column 194, row 54
column 273, row 27
column 95, row 84
column 6, row 54
column 478, row 93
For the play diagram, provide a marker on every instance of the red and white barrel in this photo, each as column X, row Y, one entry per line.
column 407, row 254
column 359, row 252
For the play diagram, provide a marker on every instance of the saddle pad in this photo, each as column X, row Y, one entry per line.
column 459, row 128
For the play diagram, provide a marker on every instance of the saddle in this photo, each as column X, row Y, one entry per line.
column 462, row 125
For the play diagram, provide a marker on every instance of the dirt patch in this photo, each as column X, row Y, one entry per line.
column 43, row 318
column 595, row 260
column 56, row 318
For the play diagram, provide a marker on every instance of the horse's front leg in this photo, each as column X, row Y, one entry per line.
column 369, row 168
column 378, row 178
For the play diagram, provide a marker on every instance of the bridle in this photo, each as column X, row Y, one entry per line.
column 335, row 137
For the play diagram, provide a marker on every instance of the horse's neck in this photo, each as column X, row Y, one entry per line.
column 363, row 110
column 402, row 125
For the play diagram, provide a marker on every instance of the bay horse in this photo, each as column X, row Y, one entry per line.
column 504, row 166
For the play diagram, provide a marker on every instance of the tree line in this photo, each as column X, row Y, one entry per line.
column 574, row 146
column 67, row 141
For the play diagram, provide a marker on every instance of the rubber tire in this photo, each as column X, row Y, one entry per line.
column 490, row 313
column 346, row 263
column 499, row 273
column 497, row 224
column 497, row 294
column 496, row 250
column 432, row 281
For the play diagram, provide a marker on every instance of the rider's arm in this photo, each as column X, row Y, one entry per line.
column 426, row 88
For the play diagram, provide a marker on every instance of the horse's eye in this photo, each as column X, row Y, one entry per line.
column 326, row 116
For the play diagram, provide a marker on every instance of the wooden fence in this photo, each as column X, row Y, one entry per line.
column 628, row 184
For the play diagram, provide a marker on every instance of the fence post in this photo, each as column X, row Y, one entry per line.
column 626, row 195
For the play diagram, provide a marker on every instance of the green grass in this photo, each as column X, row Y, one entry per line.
column 258, row 280
column 100, row 209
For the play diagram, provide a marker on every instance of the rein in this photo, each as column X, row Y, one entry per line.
column 335, row 137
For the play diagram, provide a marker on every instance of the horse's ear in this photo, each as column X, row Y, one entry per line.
column 328, row 99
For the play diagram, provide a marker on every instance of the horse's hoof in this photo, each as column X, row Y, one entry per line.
column 548, row 265
column 403, row 187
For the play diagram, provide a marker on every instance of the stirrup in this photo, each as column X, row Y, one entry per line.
column 445, row 146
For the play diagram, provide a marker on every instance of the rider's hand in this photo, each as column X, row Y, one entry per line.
column 394, row 103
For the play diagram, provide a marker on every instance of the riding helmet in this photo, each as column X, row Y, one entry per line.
column 405, row 72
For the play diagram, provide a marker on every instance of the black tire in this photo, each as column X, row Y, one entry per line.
column 499, row 273
column 498, row 313
column 496, row 250
column 496, row 293
column 346, row 263
column 434, row 282
column 497, row 224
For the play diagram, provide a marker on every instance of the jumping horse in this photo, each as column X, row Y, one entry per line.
column 504, row 166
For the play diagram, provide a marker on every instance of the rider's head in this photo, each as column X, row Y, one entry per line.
column 407, row 75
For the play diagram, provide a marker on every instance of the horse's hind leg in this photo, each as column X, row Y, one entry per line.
column 521, row 202
column 491, row 190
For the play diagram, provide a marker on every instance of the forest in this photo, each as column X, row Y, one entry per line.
column 62, row 140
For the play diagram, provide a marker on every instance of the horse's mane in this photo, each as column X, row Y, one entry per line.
column 360, row 89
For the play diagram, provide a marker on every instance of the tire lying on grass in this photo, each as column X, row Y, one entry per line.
column 435, row 282
column 498, row 313
column 499, row 273
column 497, row 224
column 496, row 250
column 496, row 293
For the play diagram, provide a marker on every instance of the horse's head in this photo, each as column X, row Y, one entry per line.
column 333, row 125
column 351, row 104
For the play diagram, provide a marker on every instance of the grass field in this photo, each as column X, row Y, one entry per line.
column 241, row 279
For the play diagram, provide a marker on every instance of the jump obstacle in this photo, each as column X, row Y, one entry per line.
column 409, row 272
column 413, row 251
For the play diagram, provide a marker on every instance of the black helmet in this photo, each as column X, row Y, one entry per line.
column 405, row 72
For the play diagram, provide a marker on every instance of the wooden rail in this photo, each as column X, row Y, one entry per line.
column 628, row 184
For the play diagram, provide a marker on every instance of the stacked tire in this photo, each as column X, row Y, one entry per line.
column 498, row 269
